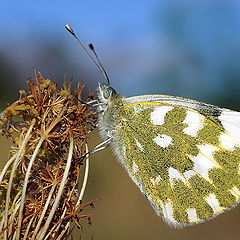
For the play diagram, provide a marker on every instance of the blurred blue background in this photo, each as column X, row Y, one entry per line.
column 176, row 47
column 186, row 48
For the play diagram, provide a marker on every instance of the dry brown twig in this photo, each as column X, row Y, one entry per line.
column 39, row 192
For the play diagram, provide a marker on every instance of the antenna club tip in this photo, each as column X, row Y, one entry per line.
column 68, row 27
column 91, row 46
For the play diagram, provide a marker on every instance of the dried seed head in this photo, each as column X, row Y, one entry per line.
column 48, row 128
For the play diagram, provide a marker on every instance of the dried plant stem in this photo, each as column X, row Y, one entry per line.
column 56, row 227
column 39, row 183
column 25, row 184
column 45, row 209
column 3, row 172
column 14, row 236
column 16, row 207
column 12, row 175
column 28, row 228
column 2, row 223
column 12, row 218
column 1, row 177
column 60, row 191
column 63, row 232
column 84, row 184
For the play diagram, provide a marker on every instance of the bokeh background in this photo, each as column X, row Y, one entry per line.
column 176, row 47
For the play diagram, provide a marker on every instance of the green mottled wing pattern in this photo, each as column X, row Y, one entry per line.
column 183, row 155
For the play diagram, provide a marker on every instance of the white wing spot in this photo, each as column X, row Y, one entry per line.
column 135, row 176
column 157, row 116
column 235, row 192
column 204, row 161
column 231, row 123
column 213, row 202
column 195, row 123
column 137, row 108
column 174, row 175
column 156, row 181
column 169, row 211
column 164, row 212
column 188, row 174
column 135, row 168
column 227, row 141
column 163, row 140
column 192, row 214
column 139, row 145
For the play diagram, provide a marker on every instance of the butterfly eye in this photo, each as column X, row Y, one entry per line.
column 107, row 92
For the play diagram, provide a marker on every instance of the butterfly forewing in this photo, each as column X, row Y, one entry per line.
column 183, row 155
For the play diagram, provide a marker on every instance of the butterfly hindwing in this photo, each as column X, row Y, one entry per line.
column 183, row 155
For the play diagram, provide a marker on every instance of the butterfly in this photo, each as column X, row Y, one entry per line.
column 183, row 155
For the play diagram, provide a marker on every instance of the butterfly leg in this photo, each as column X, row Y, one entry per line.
column 93, row 103
column 99, row 147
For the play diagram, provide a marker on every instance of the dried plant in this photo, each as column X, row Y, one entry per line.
column 39, row 185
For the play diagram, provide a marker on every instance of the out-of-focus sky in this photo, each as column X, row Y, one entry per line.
column 177, row 47
column 123, row 32
column 187, row 48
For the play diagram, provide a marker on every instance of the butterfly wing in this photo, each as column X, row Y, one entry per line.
column 183, row 155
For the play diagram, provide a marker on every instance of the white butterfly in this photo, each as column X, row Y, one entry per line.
column 183, row 155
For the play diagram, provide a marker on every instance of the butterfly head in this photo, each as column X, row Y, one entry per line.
column 106, row 94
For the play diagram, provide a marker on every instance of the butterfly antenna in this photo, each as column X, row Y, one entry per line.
column 97, row 63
